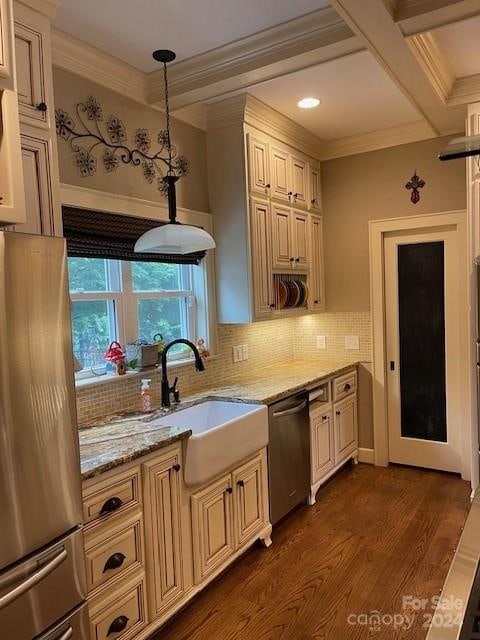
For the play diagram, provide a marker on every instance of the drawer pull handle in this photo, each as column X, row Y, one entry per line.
column 41, row 106
column 118, row 625
column 176, row 467
column 114, row 562
column 241, row 483
column 347, row 387
column 338, row 412
column 112, row 504
column 229, row 490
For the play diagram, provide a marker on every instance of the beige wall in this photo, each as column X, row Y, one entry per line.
column 192, row 190
column 371, row 186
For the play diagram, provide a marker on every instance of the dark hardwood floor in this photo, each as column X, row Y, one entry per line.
column 374, row 536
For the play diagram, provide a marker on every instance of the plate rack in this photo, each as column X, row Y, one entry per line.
column 287, row 278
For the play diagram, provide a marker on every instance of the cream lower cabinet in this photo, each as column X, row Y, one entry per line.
column 228, row 514
column 163, row 531
column 333, row 431
column 152, row 543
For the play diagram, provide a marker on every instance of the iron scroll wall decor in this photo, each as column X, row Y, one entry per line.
column 90, row 133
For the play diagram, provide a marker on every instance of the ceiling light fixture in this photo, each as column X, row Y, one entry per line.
column 308, row 103
column 172, row 238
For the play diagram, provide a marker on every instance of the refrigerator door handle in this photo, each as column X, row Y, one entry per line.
column 34, row 579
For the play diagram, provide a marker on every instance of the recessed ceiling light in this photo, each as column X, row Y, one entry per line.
column 308, row 103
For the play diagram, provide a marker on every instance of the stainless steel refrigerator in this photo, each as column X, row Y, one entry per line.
column 42, row 574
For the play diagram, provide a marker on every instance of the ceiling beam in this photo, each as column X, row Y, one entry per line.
column 373, row 22
column 298, row 44
column 419, row 16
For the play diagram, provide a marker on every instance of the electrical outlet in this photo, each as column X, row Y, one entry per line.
column 238, row 353
column 245, row 352
column 352, row 342
column 321, row 342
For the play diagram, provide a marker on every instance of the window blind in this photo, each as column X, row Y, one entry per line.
column 96, row 234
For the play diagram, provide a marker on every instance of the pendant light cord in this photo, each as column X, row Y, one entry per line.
column 167, row 118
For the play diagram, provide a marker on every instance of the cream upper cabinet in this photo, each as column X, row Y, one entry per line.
column 31, row 74
column 260, row 230
column 212, row 527
column 345, row 416
column 249, row 514
column 163, row 531
column 300, row 232
column 6, row 53
column 322, row 445
column 299, row 181
column 314, row 192
column 282, row 249
column 258, row 166
column 280, row 174
column 317, row 280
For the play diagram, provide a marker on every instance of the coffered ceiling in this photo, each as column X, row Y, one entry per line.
column 386, row 71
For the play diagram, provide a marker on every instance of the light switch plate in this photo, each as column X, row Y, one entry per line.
column 245, row 352
column 238, row 353
column 321, row 342
column 352, row 342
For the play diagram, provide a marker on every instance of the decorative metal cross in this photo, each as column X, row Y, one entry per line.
column 415, row 183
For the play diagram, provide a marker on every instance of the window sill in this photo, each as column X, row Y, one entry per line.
column 91, row 381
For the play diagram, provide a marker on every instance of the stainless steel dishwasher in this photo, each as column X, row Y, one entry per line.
column 288, row 454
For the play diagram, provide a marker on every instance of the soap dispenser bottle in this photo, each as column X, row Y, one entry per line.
column 145, row 396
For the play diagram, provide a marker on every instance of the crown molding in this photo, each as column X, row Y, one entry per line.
column 381, row 139
column 465, row 90
column 47, row 8
column 264, row 55
column 244, row 109
column 95, row 65
column 419, row 16
column 434, row 63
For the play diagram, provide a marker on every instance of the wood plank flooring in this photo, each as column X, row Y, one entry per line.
column 374, row 536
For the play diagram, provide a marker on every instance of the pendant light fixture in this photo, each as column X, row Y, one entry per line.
column 174, row 237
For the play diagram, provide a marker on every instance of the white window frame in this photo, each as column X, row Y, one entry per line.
column 124, row 323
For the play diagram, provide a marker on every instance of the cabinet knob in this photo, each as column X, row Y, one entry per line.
column 241, row 483
column 229, row 490
column 176, row 467
column 315, row 302
column 338, row 413
column 42, row 106
column 272, row 306
column 324, row 418
column 292, row 259
column 118, row 625
column 297, row 259
column 267, row 186
column 112, row 504
column 347, row 387
column 313, row 201
column 114, row 562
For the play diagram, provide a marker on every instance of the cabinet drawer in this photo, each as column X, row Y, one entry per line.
column 110, row 497
column 114, row 552
column 344, row 385
column 120, row 616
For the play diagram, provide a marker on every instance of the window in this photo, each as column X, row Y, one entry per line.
column 125, row 301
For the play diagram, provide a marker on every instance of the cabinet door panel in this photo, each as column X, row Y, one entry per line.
column 258, row 166
column 279, row 174
column 249, row 511
column 6, row 58
column 260, row 229
column 322, row 444
column 317, row 282
column 212, row 521
column 298, row 172
column 314, row 195
column 164, row 533
column 300, row 239
column 282, row 238
column 345, row 428
column 37, row 179
column 29, row 51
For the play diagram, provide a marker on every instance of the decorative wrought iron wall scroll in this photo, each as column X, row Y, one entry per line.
column 91, row 133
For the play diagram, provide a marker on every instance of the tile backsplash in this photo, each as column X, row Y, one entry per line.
column 268, row 343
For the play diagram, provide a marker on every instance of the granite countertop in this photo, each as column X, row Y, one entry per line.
column 118, row 439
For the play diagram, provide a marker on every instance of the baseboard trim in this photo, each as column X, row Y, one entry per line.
column 366, row 455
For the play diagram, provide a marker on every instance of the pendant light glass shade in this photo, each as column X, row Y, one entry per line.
column 176, row 239
column 172, row 238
